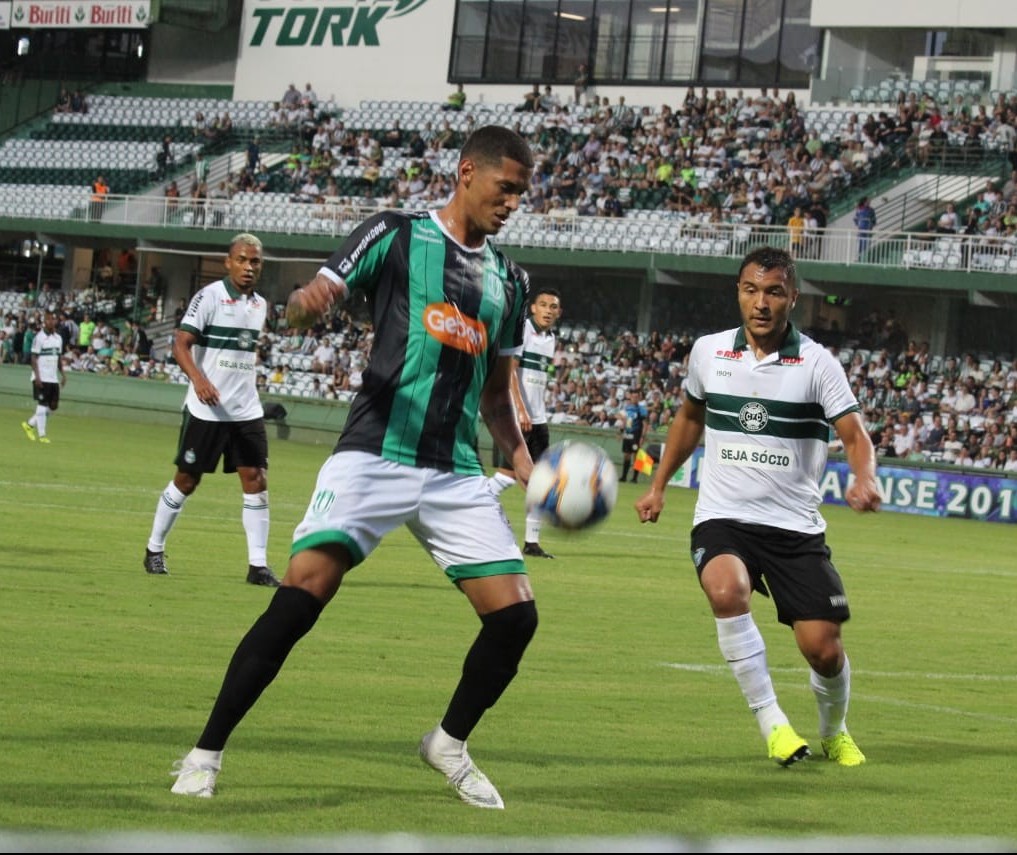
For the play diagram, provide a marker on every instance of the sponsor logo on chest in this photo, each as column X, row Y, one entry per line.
column 754, row 456
column 452, row 328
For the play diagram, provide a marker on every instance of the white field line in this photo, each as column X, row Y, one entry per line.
column 700, row 668
column 120, row 490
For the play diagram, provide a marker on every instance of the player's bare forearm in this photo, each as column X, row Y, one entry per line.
column 862, row 493
column 682, row 438
column 309, row 304
column 499, row 415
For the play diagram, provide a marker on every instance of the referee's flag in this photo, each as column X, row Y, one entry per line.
column 643, row 462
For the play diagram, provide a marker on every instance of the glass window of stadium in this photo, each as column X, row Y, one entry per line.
column 667, row 42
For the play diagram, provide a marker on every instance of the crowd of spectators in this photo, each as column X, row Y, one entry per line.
column 990, row 222
column 712, row 158
column 721, row 157
column 92, row 343
column 316, row 164
column 917, row 407
column 740, row 158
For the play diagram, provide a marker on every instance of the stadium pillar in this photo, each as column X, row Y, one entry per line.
column 139, row 265
column 644, row 312
column 944, row 326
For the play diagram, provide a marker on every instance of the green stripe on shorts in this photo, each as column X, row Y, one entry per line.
column 324, row 538
column 457, row 572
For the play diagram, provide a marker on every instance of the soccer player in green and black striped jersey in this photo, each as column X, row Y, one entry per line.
column 448, row 311
column 767, row 396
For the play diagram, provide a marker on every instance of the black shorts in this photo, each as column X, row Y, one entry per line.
column 47, row 394
column 538, row 438
column 237, row 443
column 796, row 567
column 629, row 445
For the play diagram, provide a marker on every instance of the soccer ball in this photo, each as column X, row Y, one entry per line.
column 574, row 484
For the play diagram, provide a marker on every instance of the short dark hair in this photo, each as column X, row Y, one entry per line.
column 490, row 143
column 553, row 292
column 770, row 258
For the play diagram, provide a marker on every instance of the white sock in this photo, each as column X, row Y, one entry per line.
column 204, row 758
column 170, row 504
column 255, row 518
column 832, row 695
column 499, row 482
column 38, row 421
column 447, row 745
column 533, row 524
column 743, row 648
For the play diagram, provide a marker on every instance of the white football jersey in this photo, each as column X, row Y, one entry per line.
column 46, row 348
column 534, row 363
column 768, row 427
column 227, row 325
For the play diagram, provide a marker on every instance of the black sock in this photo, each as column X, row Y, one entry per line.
column 258, row 658
column 490, row 665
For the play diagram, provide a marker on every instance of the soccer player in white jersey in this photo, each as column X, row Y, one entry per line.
column 529, row 388
column 766, row 396
column 215, row 346
column 47, row 377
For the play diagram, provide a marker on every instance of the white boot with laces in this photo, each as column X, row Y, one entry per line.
column 450, row 757
column 196, row 773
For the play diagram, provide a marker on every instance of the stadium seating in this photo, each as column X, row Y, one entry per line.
column 120, row 133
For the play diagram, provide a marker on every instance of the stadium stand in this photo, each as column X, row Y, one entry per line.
column 730, row 163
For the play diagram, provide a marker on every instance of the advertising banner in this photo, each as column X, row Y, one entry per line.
column 50, row 14
column 397, row 49
column 935, row 493
column 931, row 492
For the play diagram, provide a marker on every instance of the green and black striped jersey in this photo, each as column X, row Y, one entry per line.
column 442, row 315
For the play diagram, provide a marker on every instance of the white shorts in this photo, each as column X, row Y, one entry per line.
column 360, row 497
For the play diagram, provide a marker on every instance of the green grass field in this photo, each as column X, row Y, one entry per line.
column 624, row 721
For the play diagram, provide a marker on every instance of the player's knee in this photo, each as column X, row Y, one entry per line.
column 825, row 656
column 526, row 621
column 186, row 482
column 319, row 570
column 256, row 484
column 826, row 666
column 493, row 661
column 290, row 615
column 512, row 626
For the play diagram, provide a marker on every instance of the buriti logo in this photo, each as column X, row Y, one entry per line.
column 447, row 324
column 353, row 24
